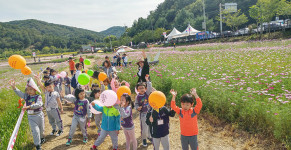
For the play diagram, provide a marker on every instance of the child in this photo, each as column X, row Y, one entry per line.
column 125, row 110
column 115, row 84
column 110, row 125
column 67, row 82
column 88, row 93
column 158, row 122
column 48, row 69
column 106, row 84
column 45, row 73
column 57, row 82
column 125, row 60
column 188, row 118
column 45, row 78
column 141, row 104
column 98, row 117
column 34, row 110
column 52, row 102
column 78, row 72
column 80, row 111
column 94, row 79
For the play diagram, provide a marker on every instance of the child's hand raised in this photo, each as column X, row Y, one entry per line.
column 173, row 92
column 93, row 104
column 151, row 119
column 147, row 77
column 193, row 92
column 12, row 83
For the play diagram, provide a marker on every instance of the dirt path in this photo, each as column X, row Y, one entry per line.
column 213, row 135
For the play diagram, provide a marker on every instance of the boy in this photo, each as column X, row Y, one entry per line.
column 106, row 58
column 188, row 118
column 158, row 122
column 45, row 73
column 142, row 105
column 45, row 78
column 52, row 102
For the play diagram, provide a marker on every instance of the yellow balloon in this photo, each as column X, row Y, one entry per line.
column 17, row 62
column 121, row 90
column 157, row 99
column 26, row 70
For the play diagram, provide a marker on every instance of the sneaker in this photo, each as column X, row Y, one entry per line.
column 85, row 140
column 150, row 139
column 144, row 143
column 53, row 132
column 38, row 147
column 93, row 147
column 60, row 132
column 42, row 140
column 69, row 142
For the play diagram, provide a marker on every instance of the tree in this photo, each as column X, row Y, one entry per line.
column 234, row 20
column 109, row 38
column 264, row 11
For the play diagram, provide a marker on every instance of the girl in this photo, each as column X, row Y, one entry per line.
column 125, row 110
column 34, row 110
column 110, row 125
column 106, row 84
column 57, row 82
column 80, row 111
column 67, row 82
column 94, row 79
column 115, row 84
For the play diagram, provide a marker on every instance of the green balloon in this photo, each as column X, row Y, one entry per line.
column 87, row 62
column 90, row 72
column 83, row 79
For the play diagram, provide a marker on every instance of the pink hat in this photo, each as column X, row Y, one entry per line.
column 31, row 83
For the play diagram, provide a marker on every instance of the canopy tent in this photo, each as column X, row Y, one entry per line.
column 174, row 34
column 189, row 31
column 123, row 49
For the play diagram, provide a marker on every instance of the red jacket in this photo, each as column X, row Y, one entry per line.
column 188, row 119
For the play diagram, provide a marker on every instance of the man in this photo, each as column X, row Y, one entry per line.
column 72, row 65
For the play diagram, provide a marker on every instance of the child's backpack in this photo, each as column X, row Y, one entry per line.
column 74, row 82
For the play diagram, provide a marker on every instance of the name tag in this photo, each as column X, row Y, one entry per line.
column 30, row 112
column 160, row 122
column 82, row 119
column 48, row 109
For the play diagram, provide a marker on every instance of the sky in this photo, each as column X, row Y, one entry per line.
column 95, row 15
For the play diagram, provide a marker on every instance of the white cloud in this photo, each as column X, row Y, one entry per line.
column 94, row 15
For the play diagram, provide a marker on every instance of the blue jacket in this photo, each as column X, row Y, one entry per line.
column 110, row 118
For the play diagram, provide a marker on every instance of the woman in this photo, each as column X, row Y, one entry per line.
column 143, row 67
column 108, row 69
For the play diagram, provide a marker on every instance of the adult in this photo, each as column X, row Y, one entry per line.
column 143, row 68
column 108, row 69
column 114, row 60
column 118, row 60
column 72, row 65
column 81, row 60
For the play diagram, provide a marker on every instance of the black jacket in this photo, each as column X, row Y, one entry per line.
column 144, row 72
column 158, row 131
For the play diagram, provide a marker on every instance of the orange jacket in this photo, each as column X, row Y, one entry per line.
column 188, row 119
column 72, row 65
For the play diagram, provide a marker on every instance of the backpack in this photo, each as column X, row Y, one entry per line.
column 74, row 82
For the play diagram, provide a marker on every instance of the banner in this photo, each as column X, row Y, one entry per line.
column 15, row 131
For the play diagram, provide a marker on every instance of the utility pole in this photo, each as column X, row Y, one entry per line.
column 220, row 19
column 110, row 41
column 204, row 15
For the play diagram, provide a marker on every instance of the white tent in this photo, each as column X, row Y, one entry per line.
column 174, row 34
column 123, row 49
column 189, row 31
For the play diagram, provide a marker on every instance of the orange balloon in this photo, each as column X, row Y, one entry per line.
column 157, row 99
column 102, row 76
column 86, row 70
column 17, row 62
column 26, row 70
column 121, row 90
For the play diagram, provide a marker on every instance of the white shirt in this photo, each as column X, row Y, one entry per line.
column 125, row 59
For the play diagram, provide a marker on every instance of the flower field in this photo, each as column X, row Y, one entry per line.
column 247, row 84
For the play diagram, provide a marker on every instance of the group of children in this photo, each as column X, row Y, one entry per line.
column 154, row 123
